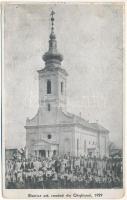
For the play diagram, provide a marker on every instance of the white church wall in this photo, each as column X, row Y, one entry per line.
column 66, row 140
column 46, row 132
column 87, row 140
column 62, row 135
column 47, row 117
column 104, row 143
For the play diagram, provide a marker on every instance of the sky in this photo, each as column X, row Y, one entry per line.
column 90, row 37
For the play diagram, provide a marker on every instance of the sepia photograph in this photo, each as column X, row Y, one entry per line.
column 63, row 96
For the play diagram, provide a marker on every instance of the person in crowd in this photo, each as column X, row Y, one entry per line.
column 64, row 172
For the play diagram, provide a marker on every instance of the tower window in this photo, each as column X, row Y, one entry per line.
column 49, row 108
column 49, row 136
column 61, row 87
column 48, row 87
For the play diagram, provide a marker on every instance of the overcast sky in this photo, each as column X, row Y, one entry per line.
column 90, row 38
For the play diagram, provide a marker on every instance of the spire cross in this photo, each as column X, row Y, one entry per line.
column 52, row 20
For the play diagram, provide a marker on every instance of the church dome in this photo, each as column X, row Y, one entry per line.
column 52, row 57
column 48, row 56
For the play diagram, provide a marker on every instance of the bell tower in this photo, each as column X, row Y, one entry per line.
column 52, row 78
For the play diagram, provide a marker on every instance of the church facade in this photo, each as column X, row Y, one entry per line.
column 54, row 131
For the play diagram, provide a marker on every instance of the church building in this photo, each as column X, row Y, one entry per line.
column 54, row 131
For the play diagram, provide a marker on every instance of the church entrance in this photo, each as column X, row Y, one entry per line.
column 67, row 146
column 91, row 152
column 45, row 149
column 42, row 153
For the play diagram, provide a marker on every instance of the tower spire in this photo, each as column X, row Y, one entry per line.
column 52, row 21
column 52, row 34
column 52, row 58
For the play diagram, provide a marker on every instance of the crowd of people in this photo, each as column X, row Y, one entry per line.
column 64, row 172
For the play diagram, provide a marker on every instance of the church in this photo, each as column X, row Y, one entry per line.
column 54, row 131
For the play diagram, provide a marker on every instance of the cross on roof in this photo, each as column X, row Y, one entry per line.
column 52, row 13
column 52, row 19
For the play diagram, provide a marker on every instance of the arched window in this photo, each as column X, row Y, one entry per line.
column 49, row 107
column 61, row 87
column 48, row 87
column 77, row 147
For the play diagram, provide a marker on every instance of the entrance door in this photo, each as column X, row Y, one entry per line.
column 91, row 152
column 42, row 153
column 67, row 146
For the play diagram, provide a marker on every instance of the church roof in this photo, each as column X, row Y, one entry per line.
column 65, row 118
column 99, row 127
column 86, row 123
